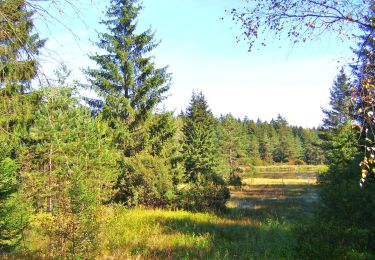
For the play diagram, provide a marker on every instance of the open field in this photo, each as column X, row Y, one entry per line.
column 282, row 168
column 260, row 223
column 266, row 218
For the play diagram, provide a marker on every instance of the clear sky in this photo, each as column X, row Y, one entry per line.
column 202, row 53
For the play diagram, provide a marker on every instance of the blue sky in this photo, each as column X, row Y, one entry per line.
column 202, row 53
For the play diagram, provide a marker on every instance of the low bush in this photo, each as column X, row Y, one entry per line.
column 203, row 196
column 146, row 180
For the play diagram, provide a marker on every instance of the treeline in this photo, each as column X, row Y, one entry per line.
column 260, row 143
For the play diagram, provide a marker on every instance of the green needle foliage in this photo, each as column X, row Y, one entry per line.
column 342, row 109
column 205, row 190
column 199, row 147
column 12, row 211
column 18, row 46
column 69, row 170
column 126, row 79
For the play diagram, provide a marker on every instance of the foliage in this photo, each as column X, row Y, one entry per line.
column 300, row 21
column 68, row 169
column 13, row 211
column 341, row 107
column 18, row 47
column 18, row 66
column 126, row 78
column 341, row 193
column 198, row 147
column 145, row 180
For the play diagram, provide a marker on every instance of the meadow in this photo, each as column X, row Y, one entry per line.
column 271, row 216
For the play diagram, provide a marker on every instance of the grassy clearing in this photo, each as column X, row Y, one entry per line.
column 260, row 223
column 319, row 169
column 271, row 181
column 265, row 219
column 145, row 234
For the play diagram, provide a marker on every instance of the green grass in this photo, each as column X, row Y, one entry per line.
column 292, row 168
column 251, row 171
column 263, row 221
column 147, row 233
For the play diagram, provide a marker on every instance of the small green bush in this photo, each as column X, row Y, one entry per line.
column 146, row 180
column 203, row 196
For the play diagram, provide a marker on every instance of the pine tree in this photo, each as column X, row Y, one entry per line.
column 13, row 213
column 286, row 149
column 18, row 47
column 233, row 141
column 198, row 147
column 126, row 80
column 205, row 190
column 68, row 171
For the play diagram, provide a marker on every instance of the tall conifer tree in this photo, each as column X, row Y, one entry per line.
column 18, row 46
column 341, row 107
column 126, row 79
column 198, row 148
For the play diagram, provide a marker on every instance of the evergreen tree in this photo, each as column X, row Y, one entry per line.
column 363, row 95
column 18, row 47
column 233, row 141
column 312, row 144
column 265, row 148
column 18, row 66
column 68, row 171
column 198, row 148
column 13, row 213
column 126, row 80
column 253, row 149
column 341, row 108
column 205, row 190
column 286, row 150
column 150, row 178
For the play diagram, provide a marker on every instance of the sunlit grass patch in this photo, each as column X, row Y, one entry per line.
column 292, row 168
column 147, row 233
column 269, row 181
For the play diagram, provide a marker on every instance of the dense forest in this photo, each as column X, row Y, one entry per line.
column 74, row 168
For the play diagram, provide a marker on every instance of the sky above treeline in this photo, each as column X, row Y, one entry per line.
column 202, row 53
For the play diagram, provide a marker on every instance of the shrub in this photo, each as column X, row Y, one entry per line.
column 296, row 162
column 203, row 196
column 145, row 180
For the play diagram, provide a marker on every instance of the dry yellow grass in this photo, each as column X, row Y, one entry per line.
column 269, row 181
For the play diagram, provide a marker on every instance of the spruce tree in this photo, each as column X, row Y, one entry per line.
column 198, row 147
column 18, row 66
column 18, row 47
column 341, row 108
column 126, row 80
column 265, row 148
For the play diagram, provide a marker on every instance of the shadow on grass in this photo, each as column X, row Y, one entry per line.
column 260, row 201
column 226, row 239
